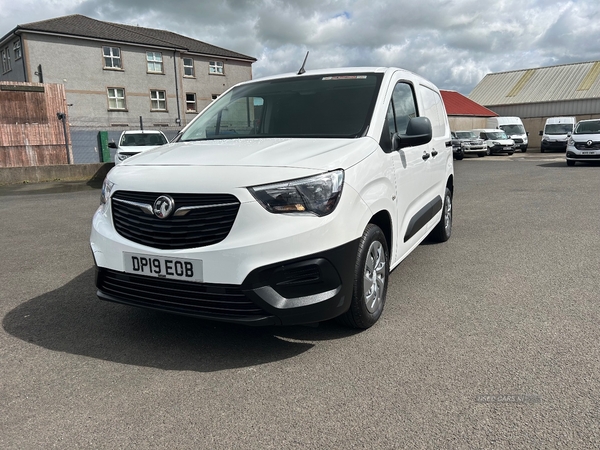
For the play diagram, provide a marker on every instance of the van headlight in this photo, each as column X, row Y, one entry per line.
column 106, row 190
column 317, row 195
column 571, row 142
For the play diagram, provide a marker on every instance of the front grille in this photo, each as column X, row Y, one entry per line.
column 518, row 140
column 198, row 228
column 583, row 146
column 185, row 297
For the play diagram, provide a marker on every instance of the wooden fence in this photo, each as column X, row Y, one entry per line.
column 31, row 132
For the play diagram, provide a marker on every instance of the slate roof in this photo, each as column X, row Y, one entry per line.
column 77, row 25
column 459, row 105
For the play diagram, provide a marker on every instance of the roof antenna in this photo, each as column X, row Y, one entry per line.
column 301, row 71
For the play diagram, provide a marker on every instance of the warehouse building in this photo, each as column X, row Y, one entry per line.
column 535, row 94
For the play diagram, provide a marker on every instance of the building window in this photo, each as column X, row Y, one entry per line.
column 155, row 62
column 17, row 50
column 5, row 60
column 188, row 67
column 112, row 57
column 215, row 67
column 190, row 102
column 158, row 100
column 116, row 98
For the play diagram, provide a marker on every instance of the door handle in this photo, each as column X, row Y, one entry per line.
column 426, row 156
column 434, row 153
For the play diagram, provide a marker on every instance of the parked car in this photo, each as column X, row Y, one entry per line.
column 467, row 142
column 584, row 143
column 496, row 141
column 288, row 200
column 132, row 142
column 514, row 129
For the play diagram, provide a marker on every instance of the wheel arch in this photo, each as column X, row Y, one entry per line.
column 384, row 221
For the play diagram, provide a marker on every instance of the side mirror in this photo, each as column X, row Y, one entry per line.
column 541, row 133
column 418, row 132
column 112, row 145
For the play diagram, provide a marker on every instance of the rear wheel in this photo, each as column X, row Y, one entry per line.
column 371, row 272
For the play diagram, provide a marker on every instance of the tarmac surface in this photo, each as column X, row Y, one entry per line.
column 489, row 340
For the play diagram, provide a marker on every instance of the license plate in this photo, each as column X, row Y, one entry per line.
column 163, row 267
column 507, row 148
column 588, row 153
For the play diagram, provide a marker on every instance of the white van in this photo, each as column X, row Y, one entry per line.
column 584, row 144
column 514, row 129
column 556, row 133
column 287, row 200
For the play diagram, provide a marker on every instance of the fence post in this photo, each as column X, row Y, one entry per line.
column 103, row 151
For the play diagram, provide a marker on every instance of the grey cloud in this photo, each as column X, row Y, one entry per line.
column 452, row 42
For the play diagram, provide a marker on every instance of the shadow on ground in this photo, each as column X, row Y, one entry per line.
column 73, row 320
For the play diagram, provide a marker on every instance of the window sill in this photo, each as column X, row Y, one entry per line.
column 215, row 73
column 114, row 69
column 117, row 110
column 160, row 110
column 155, row 73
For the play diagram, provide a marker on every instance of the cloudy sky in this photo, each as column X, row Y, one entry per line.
column 454, row 43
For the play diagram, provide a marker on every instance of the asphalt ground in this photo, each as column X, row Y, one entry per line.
column 489, row 340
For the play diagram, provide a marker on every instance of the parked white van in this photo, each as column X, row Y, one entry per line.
column 556, row 133
column 514, row 129
column 584, row 144
column 287, row 200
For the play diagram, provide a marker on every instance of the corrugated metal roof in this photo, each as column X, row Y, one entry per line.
column 459, row 105
column 544, row 84
column 82, row 26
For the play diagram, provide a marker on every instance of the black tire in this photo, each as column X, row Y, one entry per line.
column 458, row 157
column 488, row 152
column 510, row 153
column 373, row 266
column 481, row 155
column 524, row 150
column 443, row 230
column 570, row 162
column 542, row 149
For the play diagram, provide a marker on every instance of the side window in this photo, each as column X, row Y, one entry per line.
column 403, row 102
column 433, row 108
column 401, row 109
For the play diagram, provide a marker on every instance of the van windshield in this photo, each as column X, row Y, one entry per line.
column 497, row 135
column 316, row 106
column 466, row 135
column 513, row 129
column 558, row 128
column 592, row 127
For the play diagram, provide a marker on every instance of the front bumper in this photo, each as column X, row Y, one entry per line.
column 574, row 154
column 554, row 145
column 302, row 290
column 502, row 149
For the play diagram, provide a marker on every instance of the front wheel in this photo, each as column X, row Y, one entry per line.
column 488, row 152
column 371, row 272
column 443, row 230
column 570, row 162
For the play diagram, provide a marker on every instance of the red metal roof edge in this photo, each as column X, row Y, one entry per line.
column 459, row 105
